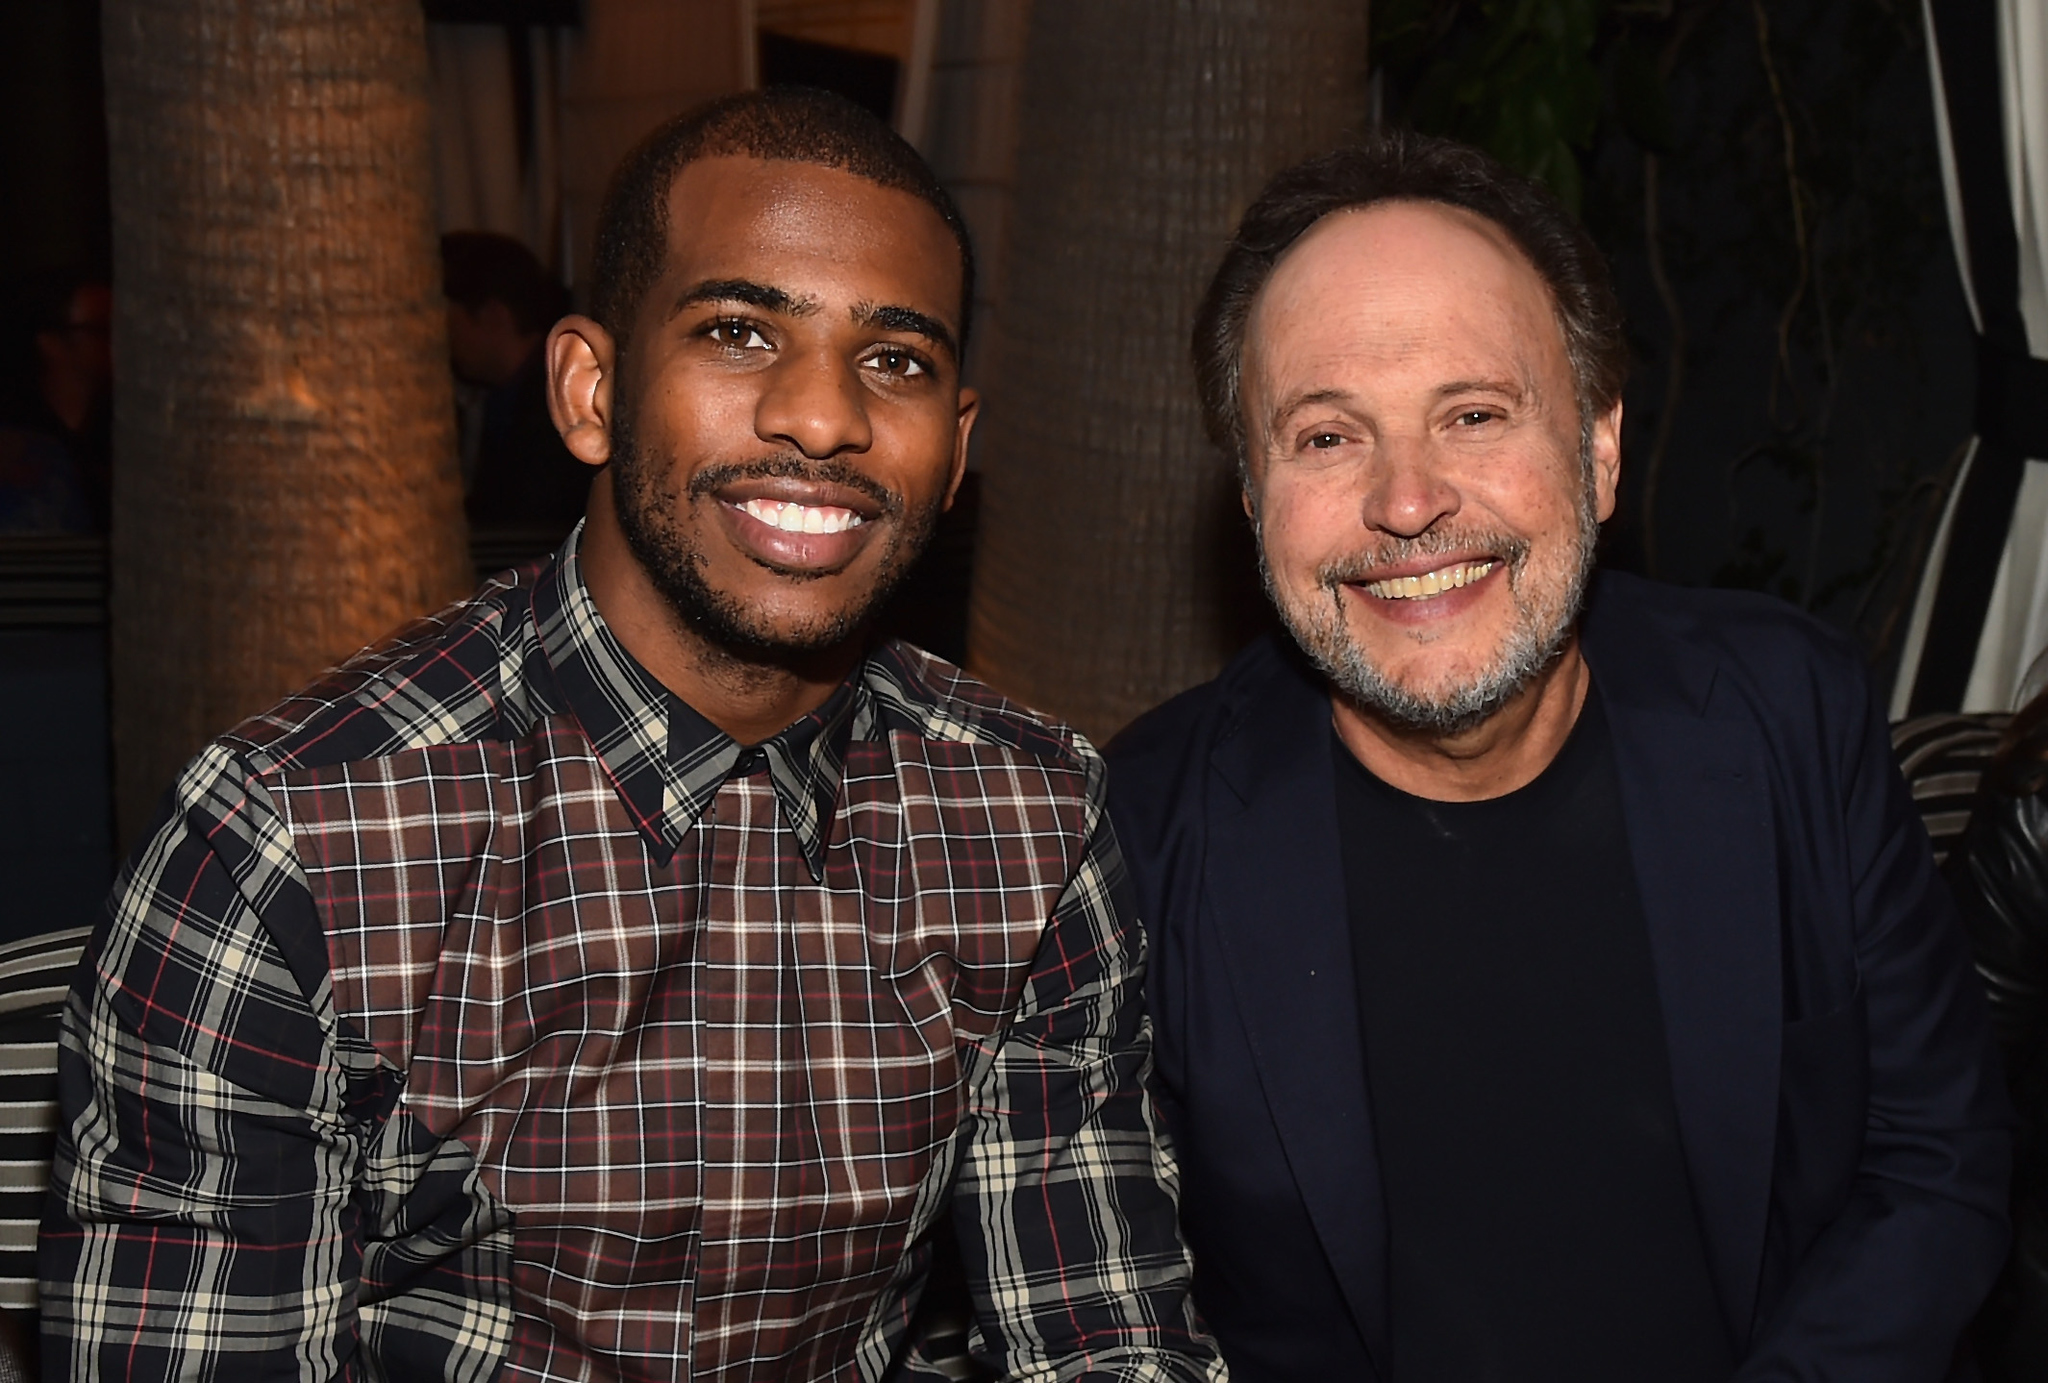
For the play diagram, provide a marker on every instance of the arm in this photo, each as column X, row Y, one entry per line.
column 1065, row 1203
column 2000, row 876
column 200, row 1221
column 1886, row 1288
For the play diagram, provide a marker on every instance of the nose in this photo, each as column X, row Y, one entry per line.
column 1406, row 491
column 813, row 402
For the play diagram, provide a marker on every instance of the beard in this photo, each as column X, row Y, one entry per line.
column 647, row 502
column 1545, row 613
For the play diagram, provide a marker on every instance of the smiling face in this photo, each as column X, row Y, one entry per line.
column 788, row 421
column 1426, row 500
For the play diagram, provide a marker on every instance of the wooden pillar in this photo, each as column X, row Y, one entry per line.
column 1114, row 568
column 285, row 484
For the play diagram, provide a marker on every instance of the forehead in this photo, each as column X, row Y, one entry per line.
column 1405, row 279
column 806, row 227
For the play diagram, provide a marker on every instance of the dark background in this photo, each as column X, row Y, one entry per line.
column 1798, row 300
column 1823, row 346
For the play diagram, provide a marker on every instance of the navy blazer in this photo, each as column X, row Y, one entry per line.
column 1846, row 1135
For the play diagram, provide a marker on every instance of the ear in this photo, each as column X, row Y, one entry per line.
column 582, row 367
column 1606, row 457
column 963, row 425
column 1247, row 486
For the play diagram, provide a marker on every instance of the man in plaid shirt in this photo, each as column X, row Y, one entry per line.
column 628, row 972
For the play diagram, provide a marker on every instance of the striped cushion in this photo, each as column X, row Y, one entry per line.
column 1943, row 756
column 35, row 975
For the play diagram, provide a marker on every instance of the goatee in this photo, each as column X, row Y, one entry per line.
column 646, row 508
column 1543, row 624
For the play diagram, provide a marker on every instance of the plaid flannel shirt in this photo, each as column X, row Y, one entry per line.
column 482, row 1011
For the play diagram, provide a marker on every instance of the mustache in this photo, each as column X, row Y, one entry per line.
column 796, row 466
column 1364, row 564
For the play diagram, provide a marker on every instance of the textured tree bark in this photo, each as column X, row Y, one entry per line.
column 1114, row 567
column 285, row 485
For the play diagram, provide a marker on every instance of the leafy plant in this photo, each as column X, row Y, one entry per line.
column 1516, row 77
column 1762, row 174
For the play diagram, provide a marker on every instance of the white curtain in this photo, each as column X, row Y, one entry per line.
column 2015, row 622
column 482, row 181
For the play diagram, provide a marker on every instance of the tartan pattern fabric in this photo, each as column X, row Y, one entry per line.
column 483, row 1011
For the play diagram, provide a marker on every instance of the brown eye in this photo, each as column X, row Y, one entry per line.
column 738, row 335
column 898, row 362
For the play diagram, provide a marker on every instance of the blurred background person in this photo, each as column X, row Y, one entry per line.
column 501, row 302
column 1999, row 872
column 56, row 393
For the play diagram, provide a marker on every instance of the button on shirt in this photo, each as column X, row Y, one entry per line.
column 483, row 1011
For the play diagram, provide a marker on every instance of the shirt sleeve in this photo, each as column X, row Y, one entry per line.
column 1066, row 1202
column 199, row 1222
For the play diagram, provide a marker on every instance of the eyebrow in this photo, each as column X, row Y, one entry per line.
column 764, row 296
column 769, row 298
column 1512, row 388
column 1295, row 403
column 907, row 319
column 1507, row 387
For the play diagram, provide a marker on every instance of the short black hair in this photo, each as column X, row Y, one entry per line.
column 1401, row 165
column 482, row 266
column 785, row 124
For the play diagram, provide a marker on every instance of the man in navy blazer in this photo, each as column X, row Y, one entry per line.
column 1549, row 975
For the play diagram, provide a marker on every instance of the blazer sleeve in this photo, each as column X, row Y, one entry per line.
column 1886, row 1287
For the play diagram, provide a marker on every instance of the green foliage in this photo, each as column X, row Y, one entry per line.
column 1761, row 174
column 1642, row 99
column 1515, row 77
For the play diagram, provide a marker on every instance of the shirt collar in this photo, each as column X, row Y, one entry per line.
column 665, row 759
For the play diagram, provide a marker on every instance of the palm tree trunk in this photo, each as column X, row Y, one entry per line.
column 1114, row 566
column 285, row 483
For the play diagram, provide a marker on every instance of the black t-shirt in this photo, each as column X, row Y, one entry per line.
column 1541, row 1220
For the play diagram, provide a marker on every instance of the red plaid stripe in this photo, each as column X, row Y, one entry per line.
column 576, row 1046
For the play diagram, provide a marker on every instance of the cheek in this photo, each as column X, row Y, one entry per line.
column 915, row 445
column 1533, row 499
column 1303, row 524
column 686, row 410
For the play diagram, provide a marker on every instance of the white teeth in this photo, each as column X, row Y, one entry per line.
column 1429, row 583
column 791, row 517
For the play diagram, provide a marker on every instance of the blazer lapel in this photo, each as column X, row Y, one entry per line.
column 1696, row 796
column 1276, row 896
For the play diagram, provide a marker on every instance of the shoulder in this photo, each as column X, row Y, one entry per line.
column 1770, row 655
column 926, row 696
column 1742, row 627
column 1165, row 742
column 441, row 679
column 223, row 870
column 1160, row 765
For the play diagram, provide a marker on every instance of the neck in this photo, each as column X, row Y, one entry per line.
column 749, row 696
column 1504, row 752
